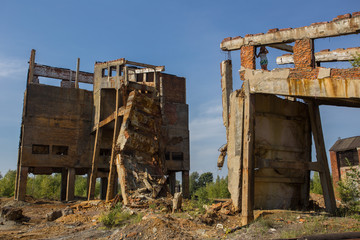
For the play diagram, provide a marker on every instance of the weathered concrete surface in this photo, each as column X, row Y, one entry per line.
column 337, row 27
column 234, row 147
column 324, row 56
column 227, row 88
column 285, row 82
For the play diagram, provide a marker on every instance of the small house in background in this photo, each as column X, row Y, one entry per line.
column 347, row 148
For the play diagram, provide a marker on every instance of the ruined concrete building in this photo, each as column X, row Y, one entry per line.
column 133, row 127
column 270, row 120
column 344, row 154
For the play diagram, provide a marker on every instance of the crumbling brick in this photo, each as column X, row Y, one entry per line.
column 248, row 57
column 304, row 53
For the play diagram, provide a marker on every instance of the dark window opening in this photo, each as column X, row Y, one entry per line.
column 121, row 73
column 60, row 150
column 177, row 156
column 40, row 149
column 149, row 77
column 104, row 72
column 167, row 156
column 105, row 152
column 346, row 157
column 139, row 77
column 113, row 71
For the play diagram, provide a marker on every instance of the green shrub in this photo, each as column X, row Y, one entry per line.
column 356, row 61
column 7, row 184
column 117, row 217
column 348, row 188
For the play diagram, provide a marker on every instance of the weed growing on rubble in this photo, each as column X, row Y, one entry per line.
column 117, row 217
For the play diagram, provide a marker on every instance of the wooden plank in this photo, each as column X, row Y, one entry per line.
column 95, row 158
column 111, row 179
column 279, row 180
column 70, row 185
column 284, row 47
column 150, row 70
column 247, row 205
column 321, row 30
column 62, row 73
column 325, row 178
column 77, row 73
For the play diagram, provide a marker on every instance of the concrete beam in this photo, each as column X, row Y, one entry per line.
column 62, row 73
column 324, row 56
column 278, row 82
column 284, row 47
column 337, row 27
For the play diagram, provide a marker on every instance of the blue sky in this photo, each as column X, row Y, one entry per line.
column 182, row 35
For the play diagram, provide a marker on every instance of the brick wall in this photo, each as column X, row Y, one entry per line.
column 304, row 53
column 334, row 167
column 247, row 56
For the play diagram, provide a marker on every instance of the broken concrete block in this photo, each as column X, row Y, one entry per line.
column 54, row 215
column 177, row 201
column 67, row 211
column 12, row 214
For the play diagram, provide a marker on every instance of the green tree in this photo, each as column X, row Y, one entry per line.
column 7, row 184
column 315, row 184
column 205, row 178
column 193, row 182
column 44, row 186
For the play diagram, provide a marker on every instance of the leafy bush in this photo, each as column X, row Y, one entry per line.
column 348, row 188
column 217, row 189
column 44, row 186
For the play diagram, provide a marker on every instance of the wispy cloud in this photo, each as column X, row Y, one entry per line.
column 12, row 68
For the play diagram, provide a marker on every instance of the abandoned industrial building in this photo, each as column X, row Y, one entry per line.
column 344, row 154
column 133, row 127
column 270, row 121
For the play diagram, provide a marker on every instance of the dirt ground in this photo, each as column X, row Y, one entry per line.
column 157, row 223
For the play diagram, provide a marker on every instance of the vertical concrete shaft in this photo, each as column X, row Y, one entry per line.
column 70, row 186
column 247, row 206
column 185, row 184
column 22, row 183
column 227, row 88
column 103, row 187
column 172, row 182
column 63, row 184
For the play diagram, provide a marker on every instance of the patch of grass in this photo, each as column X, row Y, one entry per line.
column 193, row 207
column 117, row 217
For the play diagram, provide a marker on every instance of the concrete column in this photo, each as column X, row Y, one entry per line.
column 22, row 183
column 172, row 182
column 70, row 187
column 227, row 88
column 103, row 187
column 185, row 184
column 63, row 184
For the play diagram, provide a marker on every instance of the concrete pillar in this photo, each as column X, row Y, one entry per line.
column 22, row 183
column 103, row 187
column 63, row 184
column 70, row 187
column 172, row 182
column 227, row 88
column 185, row 184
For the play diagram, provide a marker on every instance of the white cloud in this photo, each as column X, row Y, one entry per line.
column 12, row 68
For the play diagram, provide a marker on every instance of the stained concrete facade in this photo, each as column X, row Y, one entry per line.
column 270, row 120
column 58, row 129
